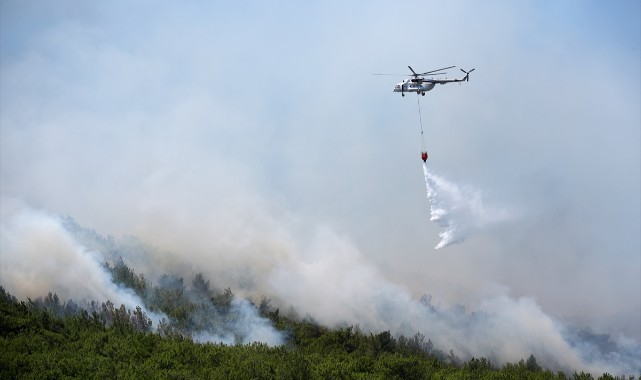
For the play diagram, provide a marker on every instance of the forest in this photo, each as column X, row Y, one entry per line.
column 52, row 338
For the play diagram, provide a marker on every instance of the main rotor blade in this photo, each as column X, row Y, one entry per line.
column 411, row 76
column 428, row 72
column 412, row 70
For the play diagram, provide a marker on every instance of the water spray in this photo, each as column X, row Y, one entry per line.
column 460, row 211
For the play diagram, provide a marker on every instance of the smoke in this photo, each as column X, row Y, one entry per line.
column 39, row 255
column 81, row 98
column 459, row 211
column 43, row 252
column 244, row 326
column 321, row 274
column 330, row 280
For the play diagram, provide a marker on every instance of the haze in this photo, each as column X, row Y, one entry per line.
column 253, row 136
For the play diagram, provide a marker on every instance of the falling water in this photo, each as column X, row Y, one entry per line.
column 460, row 212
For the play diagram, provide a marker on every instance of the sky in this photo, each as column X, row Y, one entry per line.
column 253, row 134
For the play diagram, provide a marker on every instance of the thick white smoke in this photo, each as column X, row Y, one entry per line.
column 332, row 281
column 459, row 211
column 326, row 277
column 40, row 256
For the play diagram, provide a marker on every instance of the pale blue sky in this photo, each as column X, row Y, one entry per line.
column 117, row 113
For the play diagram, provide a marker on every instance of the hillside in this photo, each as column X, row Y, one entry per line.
column 45, row 338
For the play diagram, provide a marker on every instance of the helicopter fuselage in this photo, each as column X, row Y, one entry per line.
column 410, row 86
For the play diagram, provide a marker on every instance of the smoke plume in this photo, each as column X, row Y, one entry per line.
column 43, row 253
column 39, row 255
column 324, row 276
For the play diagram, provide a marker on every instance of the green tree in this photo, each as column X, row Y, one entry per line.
column 532, row 365
column 122, row 275
column 223, row 300
column 199, row 285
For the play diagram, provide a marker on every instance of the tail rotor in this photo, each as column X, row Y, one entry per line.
column 467, row 74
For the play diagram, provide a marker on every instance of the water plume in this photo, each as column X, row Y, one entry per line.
column 460, row 212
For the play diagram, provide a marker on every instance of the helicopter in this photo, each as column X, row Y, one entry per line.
column 421, row 85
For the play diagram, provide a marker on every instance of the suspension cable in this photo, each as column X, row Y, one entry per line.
column 420, row 120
